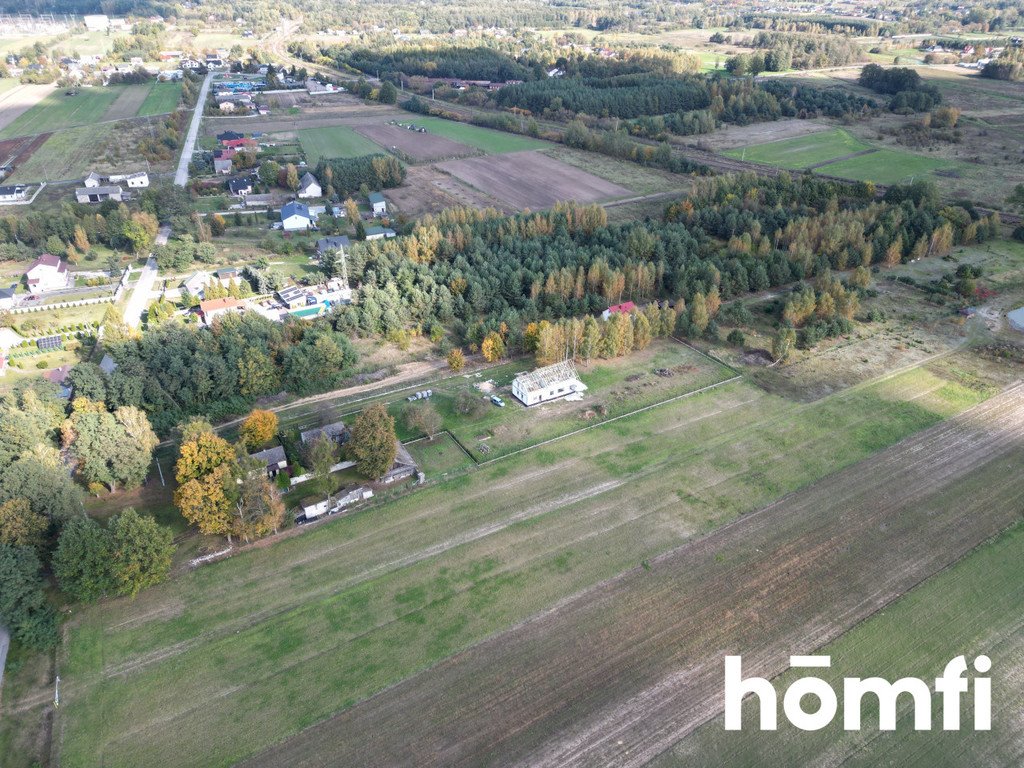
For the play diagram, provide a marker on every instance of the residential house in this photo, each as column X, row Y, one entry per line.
column 11, row 194
column 196, row 284
column 137, row 180
column 226, row 274
column 378, row 233
column 7, row 297
column 213, row 308
column 92, row 180
column 99, row 194
column 309, row 186
column 618, row 309
column 48, row 273
column 404, row 466
column 378, row 204
column 240, row 187
column 222, row 166
column 332, row 243
column 337, row 433
column 274, row 460
column 293, row 296
column 224, row 154
column 295, row 216
column 229, row 136
column 548, row 383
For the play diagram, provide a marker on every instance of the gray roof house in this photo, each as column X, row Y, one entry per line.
column 332, row 243
column 336, row 432
column 274, row 459
column 99, row 194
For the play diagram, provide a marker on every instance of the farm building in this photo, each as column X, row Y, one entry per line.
column 548, row 383
column 309, row 186
column 137, row 180
column 295, row 216
column 99, row 194
column 273, row 458
column 378, row 204
column 404, row 466
column 48, row 273
column 332, row 243
column 336, row 432
column 214, row 308
column 618, row 309
column 11, row 194
column 92, row 180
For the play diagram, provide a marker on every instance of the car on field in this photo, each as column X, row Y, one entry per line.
column 497, row 401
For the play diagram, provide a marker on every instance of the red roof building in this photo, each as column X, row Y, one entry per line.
column 624, row 308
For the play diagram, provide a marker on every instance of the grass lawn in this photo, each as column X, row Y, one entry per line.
column 803, row 151
column 973, row 608
column 58, row 111
column 234, row 656
column 334, row 141
column 439, row 456
column 886, row 166
column 162, row 98
column 490, row 141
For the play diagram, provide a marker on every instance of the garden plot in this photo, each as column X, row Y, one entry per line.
column 532, row 180
column 418, row 146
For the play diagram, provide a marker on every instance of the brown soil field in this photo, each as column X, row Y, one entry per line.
column 531, row 180
column 19, row 100
column 427, row 190
column 418, row 146
column 127, row 103
column 620, row 672
column 733, row 136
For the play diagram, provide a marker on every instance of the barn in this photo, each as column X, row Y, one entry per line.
column 548, row 383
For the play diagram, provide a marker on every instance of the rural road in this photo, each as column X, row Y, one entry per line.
column 181, row 177
column 144, row 287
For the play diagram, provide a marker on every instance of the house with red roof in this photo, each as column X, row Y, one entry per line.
column 618, row 309
column 48, row 273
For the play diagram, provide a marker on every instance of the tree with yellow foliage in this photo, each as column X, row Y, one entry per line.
column 259, row 428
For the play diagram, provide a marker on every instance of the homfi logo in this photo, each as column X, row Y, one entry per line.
column 951, row 685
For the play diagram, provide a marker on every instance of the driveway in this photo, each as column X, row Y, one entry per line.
column 181, row 177
column 141, row 294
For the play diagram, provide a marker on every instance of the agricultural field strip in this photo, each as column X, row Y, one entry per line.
column 622, row 720
column 973, row 606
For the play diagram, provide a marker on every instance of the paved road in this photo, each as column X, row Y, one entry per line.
column 181, row 177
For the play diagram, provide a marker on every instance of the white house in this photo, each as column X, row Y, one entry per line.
column 309, row 187
column 97, row 22
column 48, row 273
column 274, row 459
column 92, row 180
column 7, row 297
column 378, row 204
column 240, row 187
column 295, row 216
column 379, row 233
column 548, row 383
column 12, row 194
column 137, row 180
column 196, row 283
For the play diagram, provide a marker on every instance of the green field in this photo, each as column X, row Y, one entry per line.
column 490, row 141
column 162, row 98
column 886, row 166
column 973, row 608
column 335, row 141
column 67, row 154
column 58, row 111
column 221, row 661
column 803, row 151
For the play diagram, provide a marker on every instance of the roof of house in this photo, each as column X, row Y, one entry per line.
column 111, row 189
column 271, row 456
column 108, row 365
column 202, row 276
column 212, row 305
column 8, row 293
column 237, row 185
column 291, row 292
column 376, row 197
column 333, row 431
column 222, row 164
column 57, row 375
column 386, row 231
column 230, row 136
column 294, row 208
column 625, row 307
column 93, row 176
column 332, row 241
column 226, row 272
column 548, row 375
column 51, row 261
column 308, row 180
column 15, row 189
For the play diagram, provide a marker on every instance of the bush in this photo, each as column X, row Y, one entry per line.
column 736, row 338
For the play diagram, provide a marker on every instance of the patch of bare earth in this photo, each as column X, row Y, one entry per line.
column 627, row 668
column 531, row 180
column 418, row 146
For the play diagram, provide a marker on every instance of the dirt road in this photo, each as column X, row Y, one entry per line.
column 622, row 671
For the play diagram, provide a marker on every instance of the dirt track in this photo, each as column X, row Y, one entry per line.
column 622, row 671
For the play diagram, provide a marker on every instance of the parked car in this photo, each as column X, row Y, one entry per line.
column 497, row 401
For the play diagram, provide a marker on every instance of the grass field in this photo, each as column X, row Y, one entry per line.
column 336, row 141
column 162, row 98
column 974, row 608
column 221, row 662
column 490, row 141
column 58, row 111
column 67, row 154
column 886, row 166
column 802, row 152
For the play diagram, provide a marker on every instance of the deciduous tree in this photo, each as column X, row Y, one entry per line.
column 373, row 444
column 259, row 428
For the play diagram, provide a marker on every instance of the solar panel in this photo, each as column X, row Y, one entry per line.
column 50, row 342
